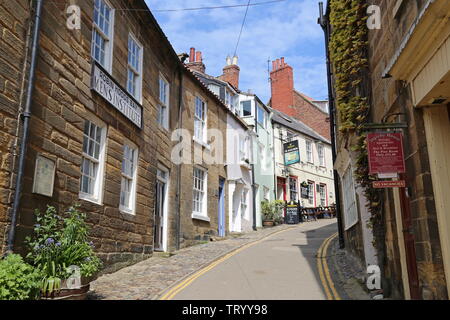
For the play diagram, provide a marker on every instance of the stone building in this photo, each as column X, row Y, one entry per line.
column 407, row 84
column 308, row 178
column 107, row 98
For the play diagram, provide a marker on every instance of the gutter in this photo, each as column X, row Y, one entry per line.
column 26, row 115
column 325, row 24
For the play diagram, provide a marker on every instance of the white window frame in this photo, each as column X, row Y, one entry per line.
column 108, row 38
column 97, row 194
column 137, row 73
column 241, row 108
column 309, row 151
column 203, row 214
column 131, row 209
column 163, row 112
column 243, row 148
column 321, row 153
column 311, row 195
column 203, row 122
column 264, row 122
column 349, row 194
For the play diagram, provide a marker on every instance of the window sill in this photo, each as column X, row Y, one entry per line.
column 204, row 144
column 88, row 198
column 129, row 212
column 197, row 216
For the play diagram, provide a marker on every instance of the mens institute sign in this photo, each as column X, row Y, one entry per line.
column 108, row 88
column 385, row 153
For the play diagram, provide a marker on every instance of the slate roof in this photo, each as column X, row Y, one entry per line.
column 296, row 125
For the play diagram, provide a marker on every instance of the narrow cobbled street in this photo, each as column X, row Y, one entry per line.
column 274, row 263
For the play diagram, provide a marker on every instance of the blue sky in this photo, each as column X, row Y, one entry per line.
column 286, row 29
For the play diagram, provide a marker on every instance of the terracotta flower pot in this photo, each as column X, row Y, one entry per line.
column 268, row 223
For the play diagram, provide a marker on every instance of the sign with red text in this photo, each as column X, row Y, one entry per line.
column 385, row 153
column 389, row 184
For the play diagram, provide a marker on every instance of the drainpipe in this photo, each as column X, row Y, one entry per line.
column 26, row 115
column 180, row 126
column 325, row 24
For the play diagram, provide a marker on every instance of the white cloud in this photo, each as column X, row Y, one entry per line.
column 287, row 29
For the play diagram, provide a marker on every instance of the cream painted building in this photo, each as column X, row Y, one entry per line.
column 311, row 180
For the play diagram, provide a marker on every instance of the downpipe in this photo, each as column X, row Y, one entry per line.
column 26, row 115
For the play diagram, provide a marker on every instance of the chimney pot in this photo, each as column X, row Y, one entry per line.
column 192, row 55
column 282, row 62
column 228, row 61
column 274, row 67
column 235, row 60
column 198, row 57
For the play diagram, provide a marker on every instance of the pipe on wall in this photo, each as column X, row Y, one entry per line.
column 26, row 115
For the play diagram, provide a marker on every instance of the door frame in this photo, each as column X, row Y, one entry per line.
column 165, row 207
column 221, row 224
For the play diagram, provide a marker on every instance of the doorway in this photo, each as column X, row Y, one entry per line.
column 160, row 230
column 221, row 206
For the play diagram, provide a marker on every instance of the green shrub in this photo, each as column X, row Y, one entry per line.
column 18, row 280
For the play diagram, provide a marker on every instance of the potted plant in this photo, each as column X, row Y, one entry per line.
column 278, row 206
column 268, row 213
column 60, row 250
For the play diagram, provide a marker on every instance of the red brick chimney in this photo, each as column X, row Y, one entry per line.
column 282, row 82
column 196, row 61
column 231, row 72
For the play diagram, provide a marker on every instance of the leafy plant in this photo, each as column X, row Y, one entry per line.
column 60, row 243
column 18, row 280
column 267, row 210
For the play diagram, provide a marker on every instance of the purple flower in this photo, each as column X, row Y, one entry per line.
column 58, row 244
column 49, row 241
column 91, row 244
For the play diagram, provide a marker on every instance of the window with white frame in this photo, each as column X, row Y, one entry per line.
column 102, row 34
column 163, row 112
column 261, row 116
column 321, row 153
column 134, row 82
column 228, row 99
column 200, row 120
column 199, row 207
column 289, row 136
column 92, row 161
column 309, row 153
column 348, row 191
column 323, row 194
column 244, row 202
column 293, row 189
column 246, row 108
column 128, row 183
column 311, row 191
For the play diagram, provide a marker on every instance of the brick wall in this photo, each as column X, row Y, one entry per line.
column 287, row 100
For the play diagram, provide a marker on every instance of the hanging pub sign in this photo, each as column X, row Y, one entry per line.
column 292, row 214
column 385, row 153
column 291, row 153
column 108, row 88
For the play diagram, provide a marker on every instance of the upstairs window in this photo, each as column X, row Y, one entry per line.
column 261, row 116
column 320, row 151
column 163, row 112
column 134, row 82
column 92, row 161
column 102, row 34
column 200, row 120
column 242, row 148
column 309, row 154
column 246, row 108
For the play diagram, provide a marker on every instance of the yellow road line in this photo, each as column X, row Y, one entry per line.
column 186, row 282
column 324, row 272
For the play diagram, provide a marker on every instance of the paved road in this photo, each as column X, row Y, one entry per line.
column 280, row 267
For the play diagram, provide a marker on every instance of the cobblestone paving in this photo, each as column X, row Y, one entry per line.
column 146, row 279
column 347, row 273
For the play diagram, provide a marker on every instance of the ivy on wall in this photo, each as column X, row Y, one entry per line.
column 348, row 54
